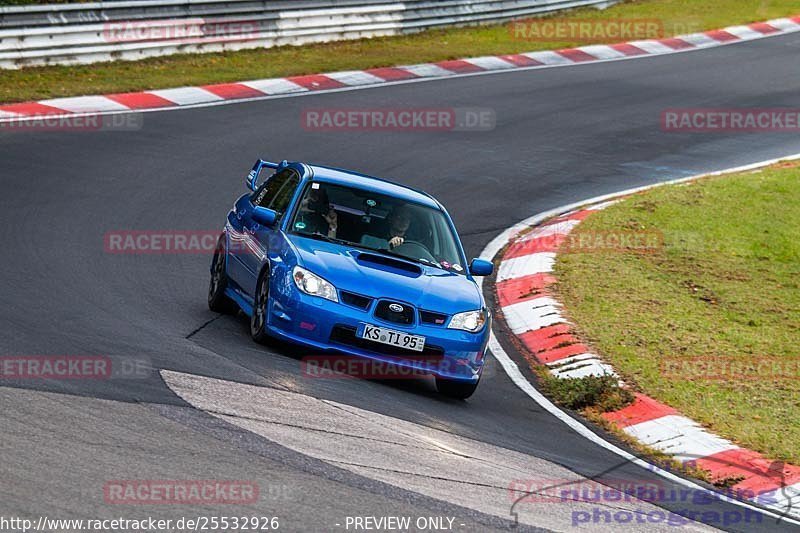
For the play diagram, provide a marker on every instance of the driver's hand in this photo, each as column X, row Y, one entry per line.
column 331, row 218
column 394, row 242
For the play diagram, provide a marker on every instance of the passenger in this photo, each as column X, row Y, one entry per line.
column 317, row 214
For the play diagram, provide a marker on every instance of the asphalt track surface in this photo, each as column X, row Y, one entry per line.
column 562, row 135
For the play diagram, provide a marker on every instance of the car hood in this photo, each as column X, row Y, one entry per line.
column 378, row 276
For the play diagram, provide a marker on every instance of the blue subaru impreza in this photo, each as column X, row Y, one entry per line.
column 346, row 263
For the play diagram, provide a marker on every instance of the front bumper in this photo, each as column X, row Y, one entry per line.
column 328, row 327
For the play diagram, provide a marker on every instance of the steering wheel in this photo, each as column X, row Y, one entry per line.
column 415, row 249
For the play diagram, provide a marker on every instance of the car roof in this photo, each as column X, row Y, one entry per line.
column 340, row 176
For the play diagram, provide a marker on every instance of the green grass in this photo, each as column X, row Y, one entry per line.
column 726, row 284
column 677, row 16
column 602, row 393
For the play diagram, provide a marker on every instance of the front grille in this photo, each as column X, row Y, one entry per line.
column 347, row 335
column 429, row 317
column 384, row 312
column 356, row 300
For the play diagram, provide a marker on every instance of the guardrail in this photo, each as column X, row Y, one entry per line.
column 128, row 30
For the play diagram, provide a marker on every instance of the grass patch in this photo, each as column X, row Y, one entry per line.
column 710, row 322
column 601, row 393
column 677, row 16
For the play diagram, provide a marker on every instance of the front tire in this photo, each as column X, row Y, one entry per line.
column 459, row 390
column 258, row 320
column 217, row 300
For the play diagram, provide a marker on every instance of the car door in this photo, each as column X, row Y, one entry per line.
column 276, row 194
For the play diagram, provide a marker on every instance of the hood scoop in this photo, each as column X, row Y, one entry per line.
column 389, row 264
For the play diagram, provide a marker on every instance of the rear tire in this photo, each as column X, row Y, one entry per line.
column 217, row 300
column 258, row 320
column 460, row 390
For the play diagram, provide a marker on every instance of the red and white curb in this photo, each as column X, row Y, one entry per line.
column 206, row 95
column 535, row 318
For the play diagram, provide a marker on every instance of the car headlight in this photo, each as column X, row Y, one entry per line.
column 310, row 283
column 471, row 321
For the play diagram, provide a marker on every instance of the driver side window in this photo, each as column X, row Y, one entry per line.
column 277, row 191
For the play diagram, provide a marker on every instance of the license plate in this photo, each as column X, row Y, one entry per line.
column 392, row 337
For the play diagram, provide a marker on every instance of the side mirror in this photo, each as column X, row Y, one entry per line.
column 481, row 267
column 264, row 216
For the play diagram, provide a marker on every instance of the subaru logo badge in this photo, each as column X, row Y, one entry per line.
column 396, row 308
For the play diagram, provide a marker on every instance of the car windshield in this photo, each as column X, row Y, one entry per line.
column 378, row 222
